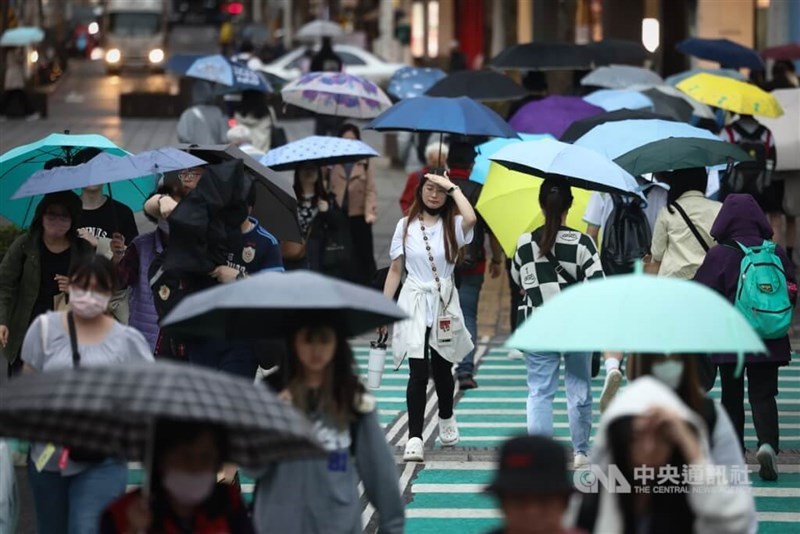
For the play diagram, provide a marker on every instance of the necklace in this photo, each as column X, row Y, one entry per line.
column 430, row 254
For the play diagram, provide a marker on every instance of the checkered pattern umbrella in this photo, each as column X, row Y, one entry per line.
column 110, row 410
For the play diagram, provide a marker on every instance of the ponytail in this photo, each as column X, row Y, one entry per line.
column 555, row 199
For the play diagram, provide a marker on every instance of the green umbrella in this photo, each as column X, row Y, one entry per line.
column 676, row 153
column 638, row 313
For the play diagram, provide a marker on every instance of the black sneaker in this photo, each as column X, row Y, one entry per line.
column 466, row 382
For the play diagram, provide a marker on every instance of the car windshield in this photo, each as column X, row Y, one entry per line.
column 134, row 24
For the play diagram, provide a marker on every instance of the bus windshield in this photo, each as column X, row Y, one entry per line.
column 134, row 24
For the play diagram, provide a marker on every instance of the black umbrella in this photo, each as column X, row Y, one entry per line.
column 578, row 128
column 543, row 56
column 477, row 85
column 268, row 305
column 617, row 51
column 110, row 410
column 670, row 105
column 276, row 203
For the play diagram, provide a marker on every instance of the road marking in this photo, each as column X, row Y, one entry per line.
column 479, row 488
column 454, row 513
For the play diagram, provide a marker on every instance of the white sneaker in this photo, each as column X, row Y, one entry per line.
column 610, row 388
column 515, row 354
column 414, row 451
column 581, row 461
column 448, row 431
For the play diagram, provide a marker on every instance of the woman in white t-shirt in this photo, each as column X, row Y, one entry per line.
column 426, row 244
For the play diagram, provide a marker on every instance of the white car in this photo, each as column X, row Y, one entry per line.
column 357, row 61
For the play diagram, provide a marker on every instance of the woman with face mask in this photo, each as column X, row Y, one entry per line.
column 184, row 494
column 33, row 273
column 70, row 488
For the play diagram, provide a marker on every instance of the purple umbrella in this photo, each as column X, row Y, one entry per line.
column 552, row 115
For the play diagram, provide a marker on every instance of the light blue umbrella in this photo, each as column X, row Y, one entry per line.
column 411, row 82
column 480, row 169
column 22, row 36
column 219, row 69
column 581, row 166
column 675, row 79
column 613, row 139
column 317, row 150
column 620, row 77
column 616, row 99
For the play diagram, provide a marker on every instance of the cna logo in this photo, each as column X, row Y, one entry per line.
column 592, row 479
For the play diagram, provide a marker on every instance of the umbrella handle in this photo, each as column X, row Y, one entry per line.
column 149, row 460
column 114, row 218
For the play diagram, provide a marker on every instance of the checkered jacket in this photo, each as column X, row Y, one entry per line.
column 537, row 276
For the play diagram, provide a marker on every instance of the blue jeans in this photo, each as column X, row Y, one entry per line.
column 542, row 386
column 74, row 504
column 468, row 294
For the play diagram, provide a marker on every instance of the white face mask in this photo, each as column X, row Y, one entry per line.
column 189, row 489
column 87, row 304
column 669, row 372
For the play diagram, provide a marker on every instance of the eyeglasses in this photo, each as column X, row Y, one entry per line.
column 186, row 176
column 57, row 217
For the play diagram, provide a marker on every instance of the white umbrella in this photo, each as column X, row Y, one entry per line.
column 786, row 129
column 318, row 29
column 22, row 36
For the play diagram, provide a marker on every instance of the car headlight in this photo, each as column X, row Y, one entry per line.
column 156, row 55
column 113, row 56
column 93, row 28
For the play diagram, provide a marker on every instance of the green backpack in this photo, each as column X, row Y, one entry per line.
column 762, row 294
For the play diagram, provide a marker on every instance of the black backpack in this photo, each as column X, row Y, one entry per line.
column 626, row 236
column 475, row 252
column 750, row 176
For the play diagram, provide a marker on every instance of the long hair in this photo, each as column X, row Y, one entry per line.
column 448, row 216
column 689, row 389
column 555, row 199
column 69, row 201
column 319, row 186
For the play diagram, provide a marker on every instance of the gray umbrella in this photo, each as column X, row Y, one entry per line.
column 111, row 409
column 269, row 304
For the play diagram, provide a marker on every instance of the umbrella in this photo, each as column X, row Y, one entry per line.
column 610, row 51
column 509, row 203
column 270, row 304
column 608, row 314
column 620, row 77
column 728, row 54
column 552, row 115
column 111, row 410
column 787, row 52
column 19, row 163
column 276, row 203
column 478, row 85
column 679, row 153
column 336, row 93
column 219, row 69
column 543, row 56
column 614, row 99
column 22, row 36
column 675, row 79
column 317, row 29
column 581, row 166
column 459, row 116
column 733, row 95
column 319, row 150
column 107, row 169
column 410, row 82
column 480, row 168
column 579, row 128
column 670, row 101
column 786, row 129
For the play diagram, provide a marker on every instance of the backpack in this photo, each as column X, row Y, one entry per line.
column 473, row 253
column 626, row 236
column 750, row 176
column 762, row 293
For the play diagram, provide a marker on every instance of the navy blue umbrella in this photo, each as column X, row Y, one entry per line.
column 221, row 70
column 728, row 54
column 459, row 116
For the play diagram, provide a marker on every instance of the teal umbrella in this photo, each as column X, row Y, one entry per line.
column 19, row 163
column 638, row 313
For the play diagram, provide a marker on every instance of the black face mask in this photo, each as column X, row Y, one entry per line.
column 433, row 211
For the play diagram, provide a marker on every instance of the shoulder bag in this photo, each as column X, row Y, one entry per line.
column 691, row 226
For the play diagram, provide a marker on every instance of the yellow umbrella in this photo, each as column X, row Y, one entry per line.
column 509, row 203
column 734, row 95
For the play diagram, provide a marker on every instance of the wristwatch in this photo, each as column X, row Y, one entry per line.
column 453, row 190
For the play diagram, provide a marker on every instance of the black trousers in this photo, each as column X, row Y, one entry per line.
column 762, row 388
column 363, row 265
column 443, row 382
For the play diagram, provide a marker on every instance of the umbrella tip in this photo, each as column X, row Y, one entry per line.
column 638, row 267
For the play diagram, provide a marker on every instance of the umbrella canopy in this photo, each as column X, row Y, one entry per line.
column 270, row 304
column 459, row 116
column 552, row 115
column 579, row 128
column 337, row 93
column 733, row 95
column 786, row 129
column 317, row 29
column 318, row 150
column 107, row 169
column 675, row 79
column 22, row 36
column 581, row 166
column 219, row 69
column 620, row 77
column 609, row 51
column 480, row 168
column 728, row 54
column 543, row 56
column 410, row 82
column 509, row 203
column 669, row 101
column 614, row 99
column 111, row 409
column 276, row 203
column 787, row 52
column 19, row 163
column 679, row 153
column 608, row 314
column 478, row 85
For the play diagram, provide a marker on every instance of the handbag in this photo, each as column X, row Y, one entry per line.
column 278, row 135
column 691, row 226
column 337, row 242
